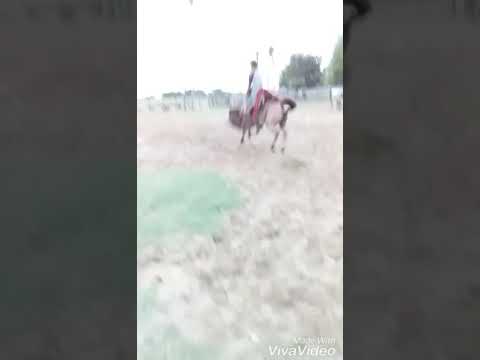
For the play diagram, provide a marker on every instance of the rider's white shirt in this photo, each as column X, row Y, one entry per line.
column 270, row 75
column 257, row 83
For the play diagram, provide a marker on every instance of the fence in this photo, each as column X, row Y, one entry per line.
column 224, row 100
column 319, row 93
column 175, row 103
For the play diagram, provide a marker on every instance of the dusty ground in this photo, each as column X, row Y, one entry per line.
column 274, row 272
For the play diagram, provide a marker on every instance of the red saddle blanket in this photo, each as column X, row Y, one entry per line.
column 236, row 115
column 262, row 97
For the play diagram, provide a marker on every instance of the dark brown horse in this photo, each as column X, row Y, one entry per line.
column 273, row 113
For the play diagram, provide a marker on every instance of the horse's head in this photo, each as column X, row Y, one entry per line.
column 290, row 103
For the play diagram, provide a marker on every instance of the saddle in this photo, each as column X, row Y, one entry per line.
column 236, row 115
column 262, row 97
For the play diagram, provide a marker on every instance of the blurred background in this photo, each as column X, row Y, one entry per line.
column 201, row 50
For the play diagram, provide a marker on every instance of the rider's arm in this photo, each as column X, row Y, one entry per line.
column 249, row 90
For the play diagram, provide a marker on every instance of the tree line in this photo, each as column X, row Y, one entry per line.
column 304, row 71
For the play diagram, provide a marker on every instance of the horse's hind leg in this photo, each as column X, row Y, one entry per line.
column 244, row 129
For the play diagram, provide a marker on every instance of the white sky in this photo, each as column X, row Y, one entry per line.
column 210, row 45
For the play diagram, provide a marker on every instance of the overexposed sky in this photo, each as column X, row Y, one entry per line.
column 210, row 45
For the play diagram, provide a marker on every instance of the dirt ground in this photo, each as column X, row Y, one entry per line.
column 275, row 271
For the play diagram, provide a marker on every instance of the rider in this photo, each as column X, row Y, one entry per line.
column 254, row 89
column 270, row 74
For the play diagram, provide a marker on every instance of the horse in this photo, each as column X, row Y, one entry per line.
column 273, row 112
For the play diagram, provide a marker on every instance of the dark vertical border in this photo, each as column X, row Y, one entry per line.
column 68, row 179
column 412, row 214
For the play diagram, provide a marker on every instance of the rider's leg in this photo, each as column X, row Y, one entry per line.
column 258, row 98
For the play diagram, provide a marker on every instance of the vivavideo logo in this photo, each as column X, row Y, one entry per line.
column 301, row 350
column 305, row 347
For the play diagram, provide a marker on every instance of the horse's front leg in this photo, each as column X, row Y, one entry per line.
column 284, row 133
column 274, row 140
column 243, row 132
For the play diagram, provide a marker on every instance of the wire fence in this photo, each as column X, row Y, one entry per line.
column 228, row 100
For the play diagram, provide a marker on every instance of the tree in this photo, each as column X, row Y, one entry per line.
column 171, row 95
column 199, row 93
column 335, row 68
column 302, row 71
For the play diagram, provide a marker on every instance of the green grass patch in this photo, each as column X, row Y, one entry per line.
column 181, row 201
column 155, row 342
column 173, row 202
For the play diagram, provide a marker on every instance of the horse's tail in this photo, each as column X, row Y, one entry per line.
column 289, row 102
column 235, row 118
